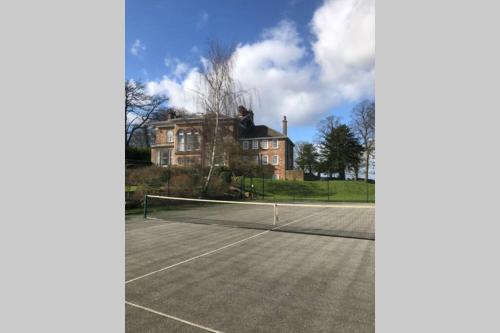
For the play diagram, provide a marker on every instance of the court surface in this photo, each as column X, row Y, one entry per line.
column 189, row 277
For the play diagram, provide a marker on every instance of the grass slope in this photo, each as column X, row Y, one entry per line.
column 333, row 190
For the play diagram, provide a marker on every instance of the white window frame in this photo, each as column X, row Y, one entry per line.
column 181, row 145
column 255, row 144
column 265, row 160
column 168, row 153
column 189, row 139
column 245, row 145
column 277, row 159
column 275, row 144
column 197, row 142
column 170, row 135
column 264, row 144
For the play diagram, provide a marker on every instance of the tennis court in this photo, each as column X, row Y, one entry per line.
column 224, row 267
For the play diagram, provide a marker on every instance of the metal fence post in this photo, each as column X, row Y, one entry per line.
column 168, row 182
column 328, row 187
column 145, row 206
column 251, row 188
column 242, row 187
column 263, row 191
column 366, row 187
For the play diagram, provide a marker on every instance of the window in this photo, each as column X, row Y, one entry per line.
column 264, row 144
column 275, row 143
column 196, row 141
column 275, row 159
column 170, row 135
column 264, row 160
column 189, row 141
column 163, row 157
column 180, row 141
column 255, row 144
column 245, row 145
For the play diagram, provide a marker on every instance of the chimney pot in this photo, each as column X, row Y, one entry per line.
column 285, row 127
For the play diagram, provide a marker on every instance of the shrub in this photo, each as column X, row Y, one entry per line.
column 226, row 176
column 138, row 154
column 151, row 176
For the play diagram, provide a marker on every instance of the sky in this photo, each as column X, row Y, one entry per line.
column 306, row 59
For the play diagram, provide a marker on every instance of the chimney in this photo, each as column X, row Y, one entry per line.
column 285, row 125
column 171, row 114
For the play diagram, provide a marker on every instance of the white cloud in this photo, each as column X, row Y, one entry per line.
column 345, row 45
column 180, row 92
column 286, row 83
column 292, row 78
column 177, row 68
column 137, row 48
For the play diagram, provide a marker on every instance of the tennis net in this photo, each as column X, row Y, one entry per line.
column 350, row 221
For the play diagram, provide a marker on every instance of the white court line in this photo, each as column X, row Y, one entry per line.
column 216, row 250
column 193, row 258
column 325, row 206
column 172, row 317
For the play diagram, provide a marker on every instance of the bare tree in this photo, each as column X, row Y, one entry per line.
column 139, row 107
column 363, row 124
column 219, row 96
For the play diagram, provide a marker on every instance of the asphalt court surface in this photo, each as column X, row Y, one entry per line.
column 183, row 277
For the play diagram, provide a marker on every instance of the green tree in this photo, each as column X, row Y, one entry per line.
column 340, row 150
column 307, row 156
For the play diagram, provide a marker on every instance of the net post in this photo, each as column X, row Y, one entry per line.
column 275, row 214
column 145, row 206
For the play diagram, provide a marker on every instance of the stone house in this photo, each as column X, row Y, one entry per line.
column 179, row 141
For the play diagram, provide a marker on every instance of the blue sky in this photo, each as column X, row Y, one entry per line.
column 305, row 59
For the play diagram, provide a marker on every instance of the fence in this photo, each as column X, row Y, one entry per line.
column 186, row 183
column 262, row 188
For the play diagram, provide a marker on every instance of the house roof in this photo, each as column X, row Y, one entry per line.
column 250, row 131
column 262, row 131
column 180, row 120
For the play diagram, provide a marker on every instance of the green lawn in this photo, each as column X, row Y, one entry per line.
column 319, row 190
